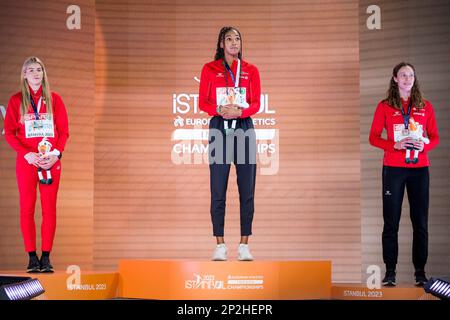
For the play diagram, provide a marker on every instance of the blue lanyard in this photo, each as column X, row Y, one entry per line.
column 406, row 116
column 231, row 74
column 35, row 109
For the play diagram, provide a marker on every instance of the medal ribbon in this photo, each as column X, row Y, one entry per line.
column 36, row 108
column 236, row 85
column 407, row 115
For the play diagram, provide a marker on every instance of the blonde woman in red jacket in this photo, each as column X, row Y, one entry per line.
column 36, row 127
column 230, row 93
column 405, row 165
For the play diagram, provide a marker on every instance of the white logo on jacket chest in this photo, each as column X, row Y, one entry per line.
column 219, row 75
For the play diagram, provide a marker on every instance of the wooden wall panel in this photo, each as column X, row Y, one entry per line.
column 322, row 203
column 39, row 28
column 417, row 32
column 308, row 56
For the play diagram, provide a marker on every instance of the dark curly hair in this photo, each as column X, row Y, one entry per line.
column 393, row 95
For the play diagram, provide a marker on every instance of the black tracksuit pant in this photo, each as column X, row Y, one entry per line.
column 241, row 150
column 416, row 181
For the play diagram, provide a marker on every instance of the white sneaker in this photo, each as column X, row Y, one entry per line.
column 220, row 253
column 244, row 253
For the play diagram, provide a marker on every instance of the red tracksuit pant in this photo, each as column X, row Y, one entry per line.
column 27, row 179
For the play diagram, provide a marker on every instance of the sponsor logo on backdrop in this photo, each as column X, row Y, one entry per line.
column 232, row 282
column 190, row 134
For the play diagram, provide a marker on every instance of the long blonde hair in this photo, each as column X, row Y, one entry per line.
column 24, row 87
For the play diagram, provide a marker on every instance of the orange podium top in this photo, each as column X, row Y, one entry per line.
column 352, row 291
column 211, row 280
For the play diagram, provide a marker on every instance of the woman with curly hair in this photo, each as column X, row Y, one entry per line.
column 402, row 111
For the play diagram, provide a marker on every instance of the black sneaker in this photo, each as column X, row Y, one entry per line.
column 420, row 277
column 389, row 279
column 33, row 265
column 46, row 267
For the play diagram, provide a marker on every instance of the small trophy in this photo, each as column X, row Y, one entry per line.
column 44, row 150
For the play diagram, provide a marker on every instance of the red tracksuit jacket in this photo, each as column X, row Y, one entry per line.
column 213, row 76
column 387, row 117
column 15, row 130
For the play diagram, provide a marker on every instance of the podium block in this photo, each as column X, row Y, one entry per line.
column 211, row 280
column 361, row 292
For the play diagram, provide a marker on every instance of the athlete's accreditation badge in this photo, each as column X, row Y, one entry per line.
column 42, row 127
column 236, row 95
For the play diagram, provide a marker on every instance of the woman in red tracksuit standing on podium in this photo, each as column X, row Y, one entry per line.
column 230, row 93
column 36, row 127
column 405, row 164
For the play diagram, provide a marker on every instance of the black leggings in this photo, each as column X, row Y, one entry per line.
column 243, row 155
column 417, row 182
